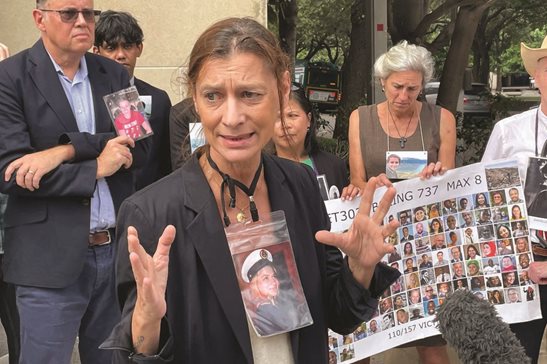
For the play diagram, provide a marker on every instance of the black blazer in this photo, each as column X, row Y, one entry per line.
column 334, row 168
column 182, row 114
column 46, row 231
column 205, row 309
column 158, row 164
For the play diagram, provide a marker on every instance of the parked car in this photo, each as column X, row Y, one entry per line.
column 475, row 100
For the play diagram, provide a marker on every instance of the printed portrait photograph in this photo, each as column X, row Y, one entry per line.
column 405, row 217
column 498, row 198
column 522, row 245
column 519, row 228
column 510, row 279
column 347, row 353
column 430, row 307
column 360, row 333
column 505, row 246
column 512, row 295
column 453, row 238
column 400, row 301
column 508, row 263
column 406, row 233
column 271, row 290
column 490, row 265
column 488, row 249
column 422, row 245
column 494, row 281
column 486, row 232
column 496, row 297
column 500, row 214
column 398, row 286
column 517, row 212
column 481, row 200
column 465, row 203
column 128, row 114
column 405, row 164
column 416, row 313
column 433, row 210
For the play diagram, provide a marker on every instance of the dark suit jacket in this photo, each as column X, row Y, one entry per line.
column 158, row 164
column 46, row 235
column 333, row 168
column 205, row 309
column 182, row 114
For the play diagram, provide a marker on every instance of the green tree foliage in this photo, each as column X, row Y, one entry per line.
column 496, row 46
column 323, row 30
column 510, row 59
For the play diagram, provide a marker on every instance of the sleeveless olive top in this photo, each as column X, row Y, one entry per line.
column 374, row 140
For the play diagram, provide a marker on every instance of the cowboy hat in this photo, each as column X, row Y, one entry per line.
column 531, row 56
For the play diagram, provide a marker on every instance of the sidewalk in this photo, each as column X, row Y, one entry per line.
column 394, row 356
column 410, row 356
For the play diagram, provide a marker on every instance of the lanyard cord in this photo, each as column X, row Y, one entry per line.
column 232, row 184
column 421, row 132
column 536, row 138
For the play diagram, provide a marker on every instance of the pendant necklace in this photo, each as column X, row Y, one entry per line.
column 232, row 183
column 402, row 139
column 241, row 215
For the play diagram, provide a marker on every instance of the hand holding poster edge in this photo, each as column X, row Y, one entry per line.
column 364, row 242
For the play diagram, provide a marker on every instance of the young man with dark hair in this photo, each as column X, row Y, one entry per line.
column 119, row 37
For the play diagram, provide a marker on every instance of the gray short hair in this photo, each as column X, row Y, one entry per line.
column 405, row 57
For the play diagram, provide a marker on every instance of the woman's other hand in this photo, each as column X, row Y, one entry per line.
column 364, row 242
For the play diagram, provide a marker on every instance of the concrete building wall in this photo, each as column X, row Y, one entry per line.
column 170, row 29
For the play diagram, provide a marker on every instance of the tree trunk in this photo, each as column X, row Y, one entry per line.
column 288, row 16
column 356, row 70
column 405, row 17
column 458, row 53
column 481, row 48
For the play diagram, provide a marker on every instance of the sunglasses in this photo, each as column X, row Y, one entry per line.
column 70, row 15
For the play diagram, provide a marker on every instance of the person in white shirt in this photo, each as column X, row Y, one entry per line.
column 520, row 137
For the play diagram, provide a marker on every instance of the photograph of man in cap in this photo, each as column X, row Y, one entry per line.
column 272, row 311
column 520, row 137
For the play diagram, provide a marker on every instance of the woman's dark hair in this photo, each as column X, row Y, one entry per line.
column 438, row 222
column 485, row 199
column 238, row 36
column 298, row 94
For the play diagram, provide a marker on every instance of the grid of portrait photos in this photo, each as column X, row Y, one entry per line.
column 478, row 242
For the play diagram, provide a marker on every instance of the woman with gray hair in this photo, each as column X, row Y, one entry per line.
column 401, row 123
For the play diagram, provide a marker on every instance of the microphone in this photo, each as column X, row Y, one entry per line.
column 474, row 329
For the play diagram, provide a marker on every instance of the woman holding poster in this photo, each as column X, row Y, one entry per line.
column 405, row 126
column 401, row 124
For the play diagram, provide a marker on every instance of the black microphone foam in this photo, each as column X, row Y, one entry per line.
column 474, row 329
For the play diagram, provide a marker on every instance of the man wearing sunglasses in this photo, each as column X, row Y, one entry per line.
column 118, row 36
column 65, row 173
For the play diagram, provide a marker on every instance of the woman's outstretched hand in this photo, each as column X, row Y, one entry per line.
column 364, row 242
column 151, row 279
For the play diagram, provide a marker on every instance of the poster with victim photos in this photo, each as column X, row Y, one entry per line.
column 467, row 229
